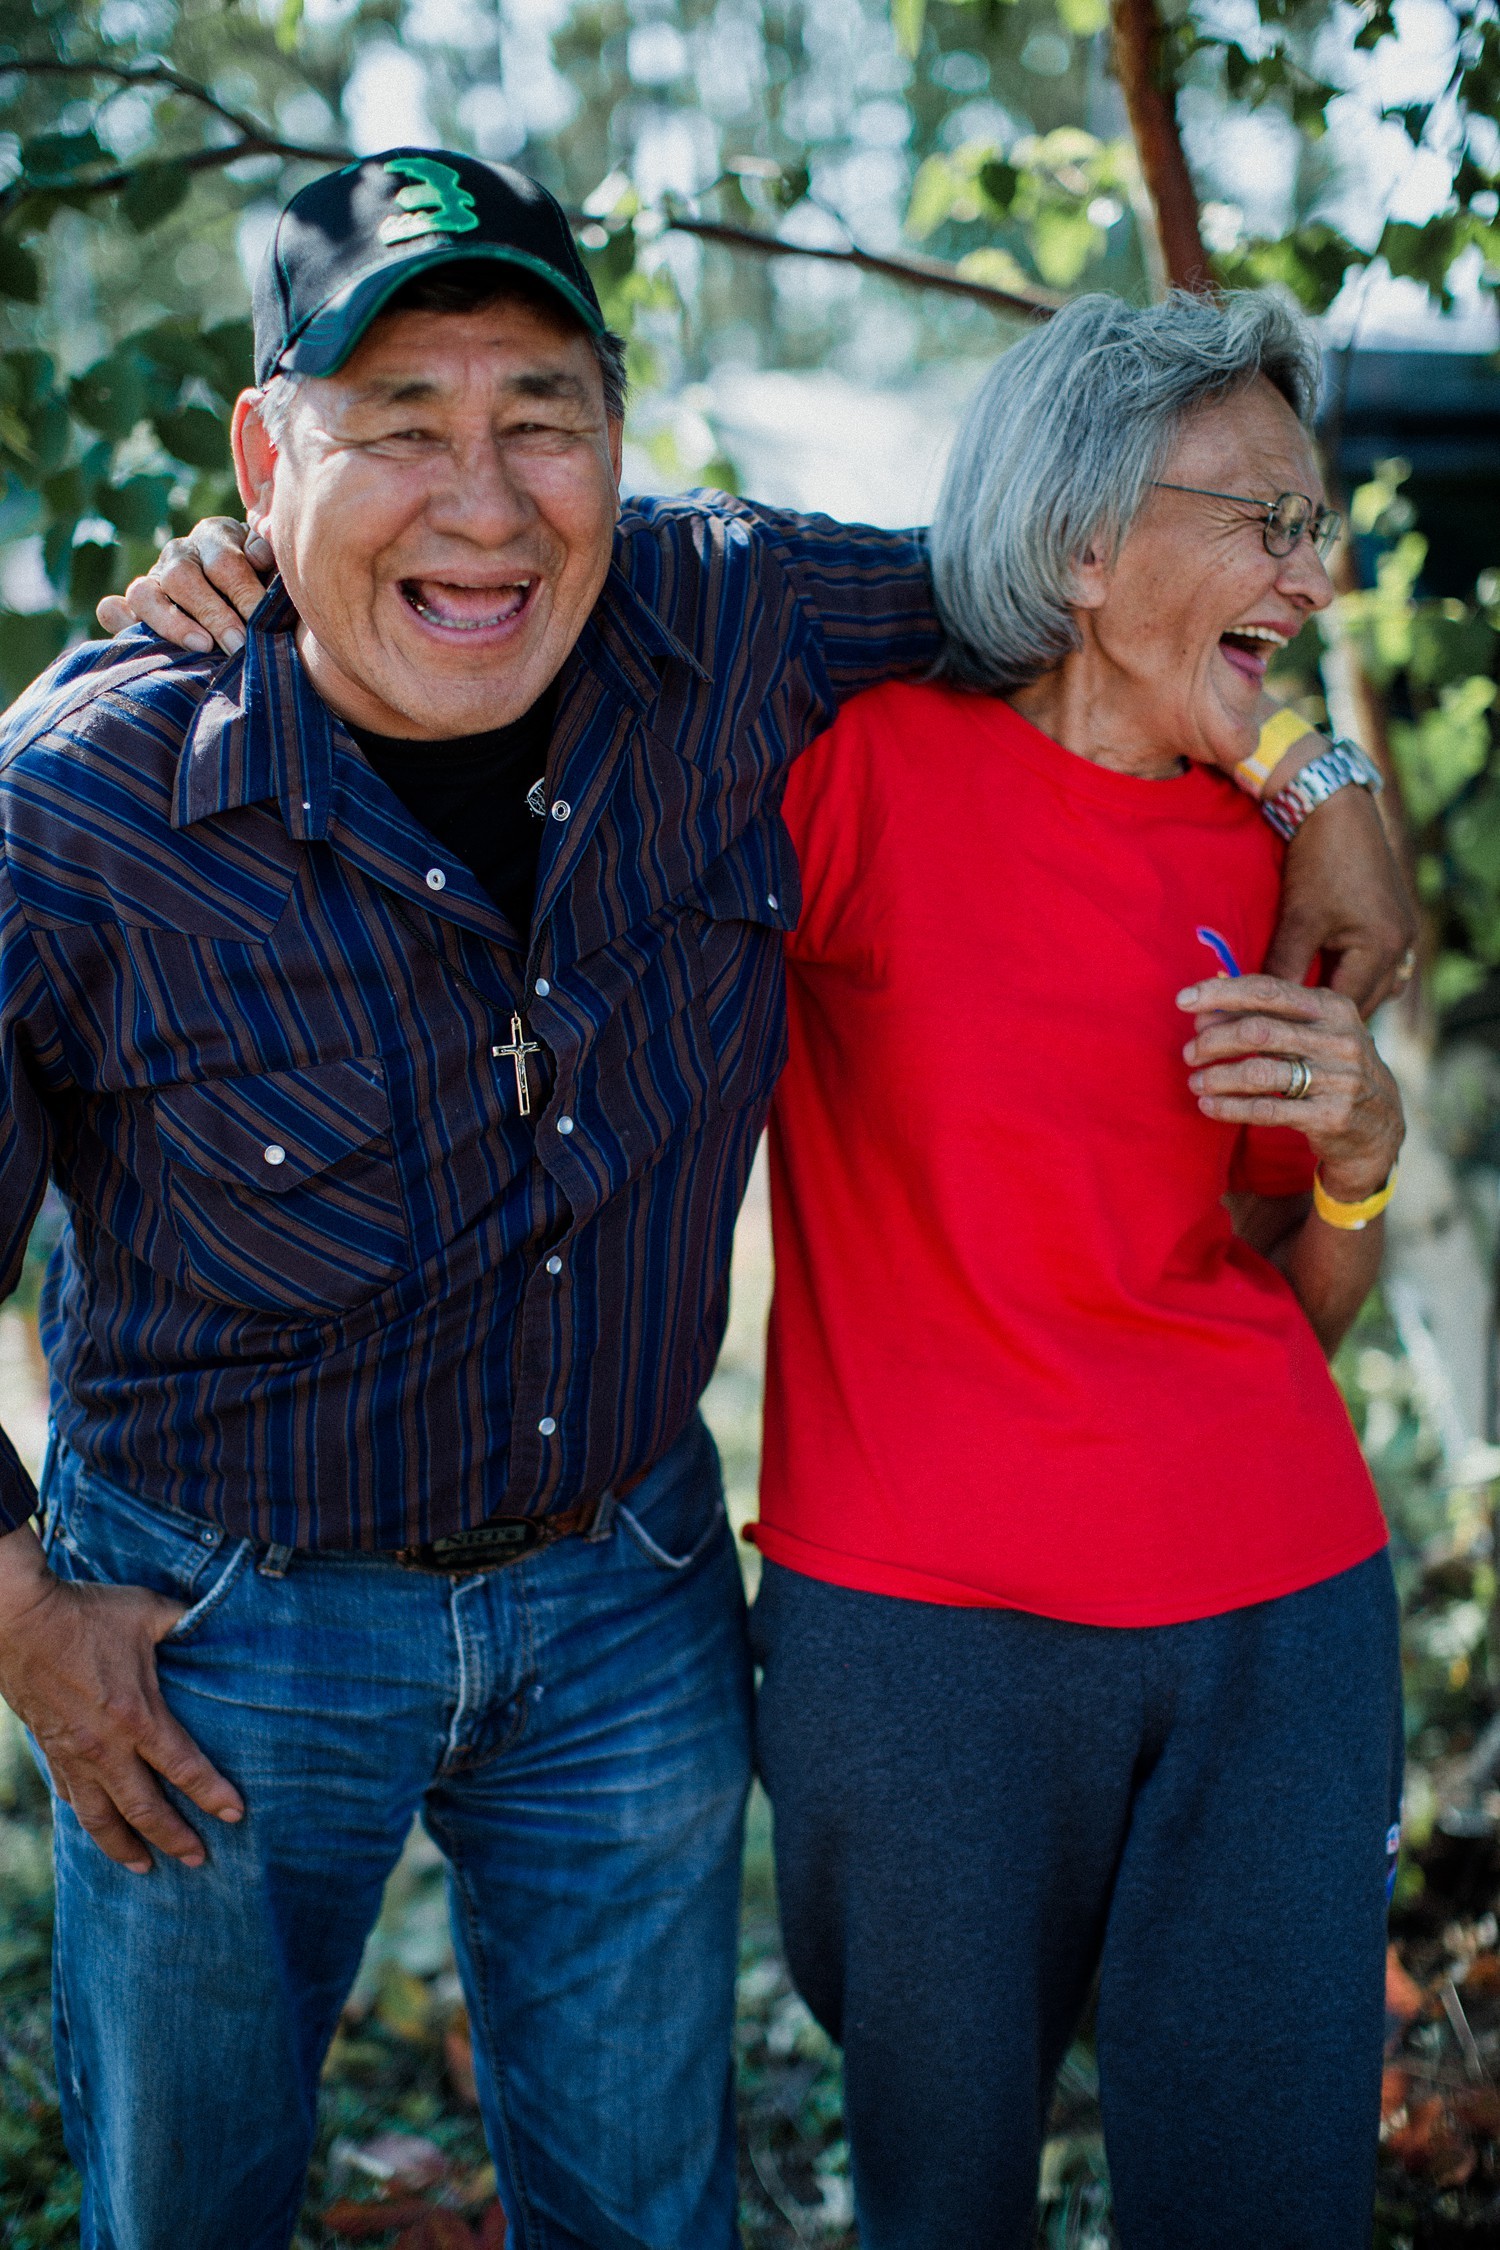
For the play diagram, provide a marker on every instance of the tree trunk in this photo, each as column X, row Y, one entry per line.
column 1150, row 103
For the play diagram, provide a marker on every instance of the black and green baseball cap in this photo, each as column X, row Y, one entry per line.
column 345, row 245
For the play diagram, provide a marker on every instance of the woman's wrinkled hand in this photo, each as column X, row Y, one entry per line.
column 1250, row 1034
column 198, row 589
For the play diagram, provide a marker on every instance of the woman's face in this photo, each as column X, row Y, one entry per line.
column 1182, row 625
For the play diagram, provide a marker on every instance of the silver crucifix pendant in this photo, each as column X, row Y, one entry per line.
column 518, row 1048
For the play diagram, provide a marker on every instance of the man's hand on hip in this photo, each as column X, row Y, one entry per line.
column 199, row 588
column 1344, row 895
column 78, row 1668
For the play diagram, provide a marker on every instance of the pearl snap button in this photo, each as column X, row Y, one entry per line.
column 547, row 1426
column 554, row 1265
column 436, row 879
column 565, row 1124
column 541, row 988
column 562, row 810
column 275, row 1153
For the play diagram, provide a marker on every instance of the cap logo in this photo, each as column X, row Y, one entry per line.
column 438, row 204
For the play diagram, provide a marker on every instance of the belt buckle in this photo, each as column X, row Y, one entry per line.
column 488, row 1546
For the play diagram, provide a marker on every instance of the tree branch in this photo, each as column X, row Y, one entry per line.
column 254, row 140
column 158, row 74
column 1141, row 67
column 918, row 273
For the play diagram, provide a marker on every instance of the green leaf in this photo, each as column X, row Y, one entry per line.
column 27, row 646
column 1414, row 116
column 153, row 194
column 67, row 493
column 110, row 396
column 907, row 19
column 998, row 268
column 20, row 275
column 57, row 551
column 790, row 186
column 193, row 435
column 138, row 507
column 999, row 182
column 93, row 575
column 288, row 25
column 231, row 353
column 1425, row 253
column 1083, row 17
column 54, row 157
column 1062, row 243
column 934, row 192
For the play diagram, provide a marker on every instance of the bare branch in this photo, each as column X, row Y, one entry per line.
column 254, row 140
column 920, row 273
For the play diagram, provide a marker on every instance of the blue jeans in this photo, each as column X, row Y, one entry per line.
column 574, row 1731
column 978, row 1812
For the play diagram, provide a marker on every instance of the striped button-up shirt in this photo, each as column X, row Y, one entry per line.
column 323, row 1282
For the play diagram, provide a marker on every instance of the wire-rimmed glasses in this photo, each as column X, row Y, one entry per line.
column 1283, row 520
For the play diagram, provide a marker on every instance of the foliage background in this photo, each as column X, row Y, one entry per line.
column 1348, row 153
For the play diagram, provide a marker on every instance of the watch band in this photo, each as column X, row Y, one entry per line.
column 1341, row 767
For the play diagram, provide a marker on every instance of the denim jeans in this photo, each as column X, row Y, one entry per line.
column 574, row 1732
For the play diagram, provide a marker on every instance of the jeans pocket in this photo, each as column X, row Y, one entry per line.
column 677, row 1512
column 100, row 1534
column 197, row 1614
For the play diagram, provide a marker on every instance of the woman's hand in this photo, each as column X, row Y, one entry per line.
column 199, row 588
column 1250, row 1034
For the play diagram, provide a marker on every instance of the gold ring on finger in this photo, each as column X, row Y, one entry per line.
column 1301, row 1079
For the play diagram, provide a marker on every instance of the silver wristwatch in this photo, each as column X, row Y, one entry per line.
column 1343, row 765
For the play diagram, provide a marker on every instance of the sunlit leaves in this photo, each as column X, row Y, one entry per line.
column 1311, row 262
column 1049, row 197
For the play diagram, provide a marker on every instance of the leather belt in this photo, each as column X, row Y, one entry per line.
column 502, row 1539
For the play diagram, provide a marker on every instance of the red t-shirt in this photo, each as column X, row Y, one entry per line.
column 1018, row 1356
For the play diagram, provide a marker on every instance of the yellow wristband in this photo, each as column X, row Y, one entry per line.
column 1352, row 1216
column 1278, row 734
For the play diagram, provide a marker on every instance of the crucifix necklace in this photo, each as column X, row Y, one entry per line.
column 518, row 1049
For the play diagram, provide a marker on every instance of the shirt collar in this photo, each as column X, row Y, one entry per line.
column 263, row 731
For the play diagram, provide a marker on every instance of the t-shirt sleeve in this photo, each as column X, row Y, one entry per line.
column 1272, row 1160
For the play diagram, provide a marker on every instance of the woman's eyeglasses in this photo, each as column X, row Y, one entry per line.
column 1284, row 519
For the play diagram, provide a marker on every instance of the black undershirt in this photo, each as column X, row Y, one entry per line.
column 470, row 793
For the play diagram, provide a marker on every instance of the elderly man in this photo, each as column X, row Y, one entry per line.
column 396, row 1005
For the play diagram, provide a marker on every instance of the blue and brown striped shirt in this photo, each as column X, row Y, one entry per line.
column 322, row 1282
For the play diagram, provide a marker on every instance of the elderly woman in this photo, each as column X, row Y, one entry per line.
column 1077, row 1625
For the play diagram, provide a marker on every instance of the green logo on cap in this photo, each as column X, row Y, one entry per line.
column 439, row 204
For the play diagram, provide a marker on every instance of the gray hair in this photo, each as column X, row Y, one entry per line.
column 469, row 285
column 1059, row 446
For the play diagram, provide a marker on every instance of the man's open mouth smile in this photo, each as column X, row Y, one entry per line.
column 453, row 608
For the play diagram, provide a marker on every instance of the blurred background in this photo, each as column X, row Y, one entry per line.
column 817, row 220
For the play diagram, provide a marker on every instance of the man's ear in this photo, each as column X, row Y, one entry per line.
column 616, row 443
column 254, row 455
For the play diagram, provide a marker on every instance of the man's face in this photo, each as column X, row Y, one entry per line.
column 442, row 511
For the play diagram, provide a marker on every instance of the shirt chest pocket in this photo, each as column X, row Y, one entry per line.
column 283, row 1189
